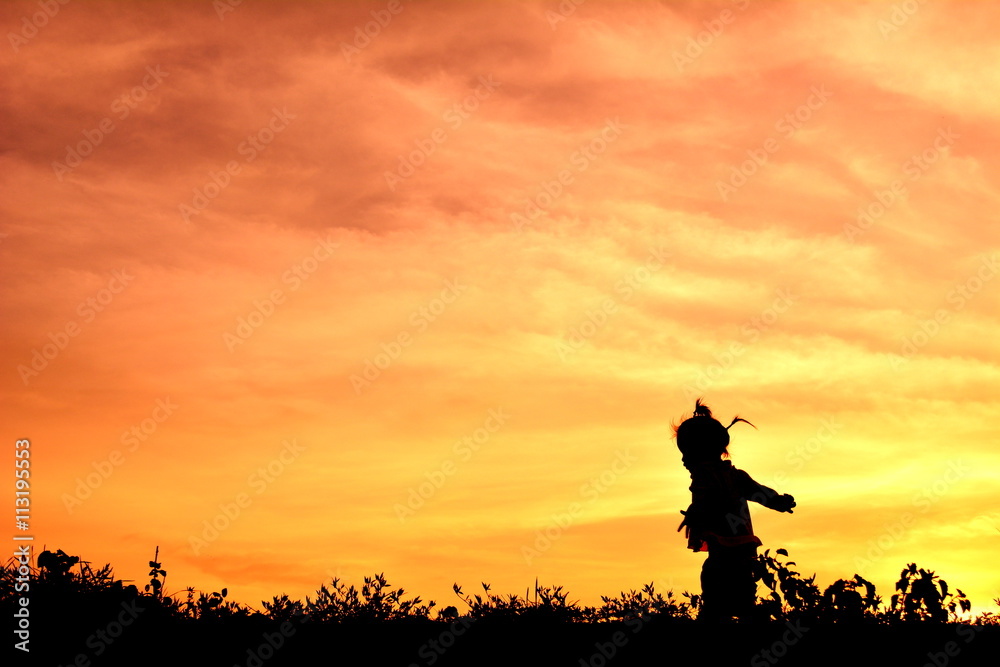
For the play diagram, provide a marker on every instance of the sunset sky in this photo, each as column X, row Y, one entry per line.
column 419, row 287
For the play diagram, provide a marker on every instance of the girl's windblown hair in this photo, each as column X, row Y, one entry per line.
column 702, row 437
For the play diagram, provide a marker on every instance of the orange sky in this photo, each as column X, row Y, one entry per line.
column 406, row 301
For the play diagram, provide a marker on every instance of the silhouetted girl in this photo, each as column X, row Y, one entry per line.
column 718, row 519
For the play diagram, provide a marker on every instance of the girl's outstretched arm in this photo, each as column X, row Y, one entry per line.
column 764, row 495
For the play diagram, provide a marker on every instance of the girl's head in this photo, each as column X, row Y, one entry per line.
column 701, row 437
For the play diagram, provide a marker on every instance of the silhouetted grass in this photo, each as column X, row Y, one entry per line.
column 84, row 617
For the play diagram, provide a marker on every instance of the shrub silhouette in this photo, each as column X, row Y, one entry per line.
column 492, row 606
column 56, row 566
column 789, row 592
column 923, row 596
column 842, row 601
column 374, row 601
column 155, row 585
column 212, row 606
column 70, row 588
column 283, row 609
column 647, row 602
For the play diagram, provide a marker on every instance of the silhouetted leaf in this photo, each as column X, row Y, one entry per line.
column 782, row 552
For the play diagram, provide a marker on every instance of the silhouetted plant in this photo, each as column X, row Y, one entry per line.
column 283, row 609
column 790, row 593
column 843, row 602
column 375, row 601
column 639, row 604
column 155, row 585
column 492, row 606
column 695, row 602
column 213, row 606
column 449, row 613
column 989, row 618
column 923, row 596
column 70, row 585
column 54, row 575
column 553, row 603
column 56, row 566
column 547, row 602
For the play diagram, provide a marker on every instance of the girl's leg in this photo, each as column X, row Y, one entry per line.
column 727, row 583
column 713, row 586
column 745, row 588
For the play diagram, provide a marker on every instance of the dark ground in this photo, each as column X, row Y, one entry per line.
column 146, row 640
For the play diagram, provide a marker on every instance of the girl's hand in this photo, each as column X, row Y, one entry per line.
column 785, row 503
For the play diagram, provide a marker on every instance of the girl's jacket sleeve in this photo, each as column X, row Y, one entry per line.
column 759, row 493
